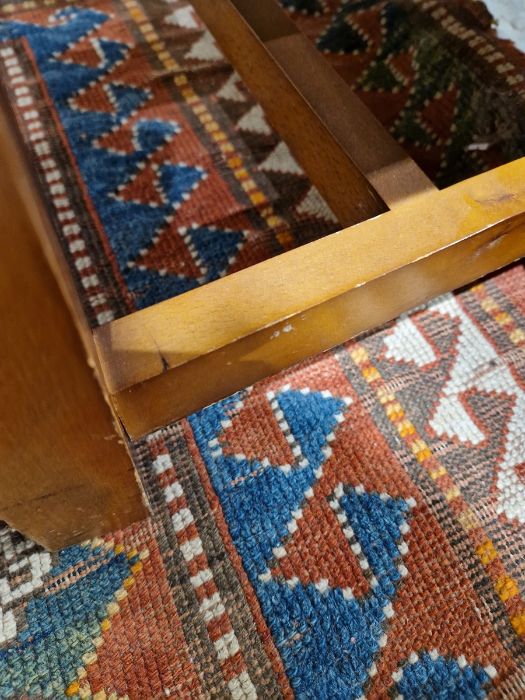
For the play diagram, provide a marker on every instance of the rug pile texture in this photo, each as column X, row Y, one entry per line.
column 354, row 527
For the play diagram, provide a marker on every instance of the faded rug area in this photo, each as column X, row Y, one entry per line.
column 353, row 527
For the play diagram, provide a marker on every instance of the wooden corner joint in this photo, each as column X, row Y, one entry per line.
column 172, row 359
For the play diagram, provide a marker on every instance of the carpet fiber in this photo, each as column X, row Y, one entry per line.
column 353, row 527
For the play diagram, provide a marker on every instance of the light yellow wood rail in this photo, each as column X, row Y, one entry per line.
column 171, row 359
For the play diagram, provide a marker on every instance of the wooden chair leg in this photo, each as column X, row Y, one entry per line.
column 64, row 474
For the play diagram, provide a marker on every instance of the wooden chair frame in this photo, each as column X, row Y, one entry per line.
column 402, row 243
column 405, row 241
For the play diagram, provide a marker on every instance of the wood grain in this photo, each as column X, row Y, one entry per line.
column 358, row 168
column 64, row 473
column 169, row 360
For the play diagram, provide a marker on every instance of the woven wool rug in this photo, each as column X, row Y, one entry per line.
column 353, row 527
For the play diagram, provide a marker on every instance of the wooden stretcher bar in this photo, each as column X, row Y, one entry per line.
column 356, row 165
column 171, row 359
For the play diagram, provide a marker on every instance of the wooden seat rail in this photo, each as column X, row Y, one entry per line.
column 171, row 359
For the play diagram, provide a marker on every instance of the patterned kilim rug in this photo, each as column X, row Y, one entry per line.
column 351, row 528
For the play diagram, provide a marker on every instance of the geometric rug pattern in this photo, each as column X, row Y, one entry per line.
column 353, row 527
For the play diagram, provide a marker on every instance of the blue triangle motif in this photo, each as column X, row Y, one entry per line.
column 130, row 227
column 86, row 125
column 149, row 287
column 128, row 98
column 442, row 678
column 104, row 171
column 62, row 623
column 327, row 643
column 376, row 523
column 150, row 134
column 177, row 181
column 66, row 79
column 215, row 248
column 114, row 51
column 47, row 42
column 257, row 499
column 311, row 417
column 339, row 637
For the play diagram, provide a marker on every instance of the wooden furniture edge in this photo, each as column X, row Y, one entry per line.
column 242, row 328
column 65, row 473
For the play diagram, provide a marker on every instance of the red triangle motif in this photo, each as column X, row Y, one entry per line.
column 84, row 53
column 171, row 253
column 256, row 434
column 435, row 567
column 142, row 188
column 319, row 551
column 403, row 63
column 178, row 672
column 120, row 140
column 369, row 25
column 94, row 99
column 439, row 113
column 257, row 247
column 212, row 195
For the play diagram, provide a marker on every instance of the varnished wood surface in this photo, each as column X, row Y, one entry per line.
column 173, row 358
column 64, row 474
column 347, row 154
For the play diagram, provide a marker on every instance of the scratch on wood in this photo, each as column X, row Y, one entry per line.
column 165, row 364
column 499, row 199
